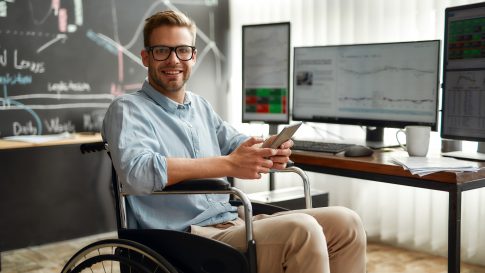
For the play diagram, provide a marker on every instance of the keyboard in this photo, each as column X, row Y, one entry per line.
column 316, row 146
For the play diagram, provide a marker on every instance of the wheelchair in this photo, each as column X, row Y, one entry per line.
column 169, row 251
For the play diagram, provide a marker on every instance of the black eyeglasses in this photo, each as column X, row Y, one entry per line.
column 161, row 53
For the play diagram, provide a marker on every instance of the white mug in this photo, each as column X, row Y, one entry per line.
column 417, row 139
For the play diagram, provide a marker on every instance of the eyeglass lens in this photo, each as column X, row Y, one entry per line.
column 161, row 53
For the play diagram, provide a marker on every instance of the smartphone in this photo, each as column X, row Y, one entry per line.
column 283, row 136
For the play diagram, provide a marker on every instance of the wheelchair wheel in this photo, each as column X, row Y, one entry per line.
column 117, row 255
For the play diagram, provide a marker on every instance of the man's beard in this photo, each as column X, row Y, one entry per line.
column 163, row 85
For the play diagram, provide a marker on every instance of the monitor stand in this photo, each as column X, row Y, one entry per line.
column 375, row 138
column 479, row 155
column 273, row 130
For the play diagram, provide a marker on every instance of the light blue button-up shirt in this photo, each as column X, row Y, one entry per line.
column 142, row 130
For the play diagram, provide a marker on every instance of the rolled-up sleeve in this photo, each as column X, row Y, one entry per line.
column 132, row 145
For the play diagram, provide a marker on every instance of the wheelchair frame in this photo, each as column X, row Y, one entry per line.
column 134, row 241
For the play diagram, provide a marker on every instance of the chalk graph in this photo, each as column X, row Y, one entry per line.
column 70, row 56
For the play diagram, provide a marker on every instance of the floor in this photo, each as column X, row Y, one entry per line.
column 381, row 258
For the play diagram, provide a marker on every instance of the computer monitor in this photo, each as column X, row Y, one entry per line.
column 374, row 85
column 463, row 110
column 266, row 73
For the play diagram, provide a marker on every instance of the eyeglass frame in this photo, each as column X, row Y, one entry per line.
column 172, row 49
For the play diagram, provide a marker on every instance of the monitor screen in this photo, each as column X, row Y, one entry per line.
column 266, row 73
column 463, row 110
column 382, row 85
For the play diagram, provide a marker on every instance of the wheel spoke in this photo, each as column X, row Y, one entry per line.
column 104, row 269
column 113, row 254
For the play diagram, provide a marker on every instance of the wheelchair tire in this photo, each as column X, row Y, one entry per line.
column 125, row 255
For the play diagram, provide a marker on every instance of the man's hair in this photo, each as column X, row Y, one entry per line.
column 167, row 18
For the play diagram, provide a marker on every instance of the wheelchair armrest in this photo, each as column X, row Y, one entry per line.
column 217, row 186
column 290, row 168
column 209, row 184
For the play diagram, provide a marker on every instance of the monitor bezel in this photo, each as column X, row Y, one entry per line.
column 287, row 118
column 372, row 122
column 445, row 62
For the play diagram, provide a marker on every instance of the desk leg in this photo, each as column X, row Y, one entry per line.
column 454, row 229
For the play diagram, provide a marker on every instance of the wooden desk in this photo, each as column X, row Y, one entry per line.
column 378, row 167
column 78, row 138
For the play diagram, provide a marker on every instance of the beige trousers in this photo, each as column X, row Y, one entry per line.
column 319, row 240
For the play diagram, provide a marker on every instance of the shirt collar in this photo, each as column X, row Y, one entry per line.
column 163, row 100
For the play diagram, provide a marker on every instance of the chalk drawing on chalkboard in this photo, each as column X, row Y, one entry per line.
column 3, row 7
column 60, row 37
column 62, row 15
column 64, row 61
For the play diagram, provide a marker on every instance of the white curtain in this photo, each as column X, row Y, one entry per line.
column 404, row 216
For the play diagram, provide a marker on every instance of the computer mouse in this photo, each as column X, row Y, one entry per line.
column 358, row 150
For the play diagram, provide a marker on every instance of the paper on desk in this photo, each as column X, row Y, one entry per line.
column 426, row 165
column 39, row 138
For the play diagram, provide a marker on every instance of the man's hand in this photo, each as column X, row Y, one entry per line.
column 282, row 155
column 249, row 160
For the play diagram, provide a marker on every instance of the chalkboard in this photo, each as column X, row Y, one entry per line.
column 62, row 62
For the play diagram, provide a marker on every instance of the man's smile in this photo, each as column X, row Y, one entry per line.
column 171, row 72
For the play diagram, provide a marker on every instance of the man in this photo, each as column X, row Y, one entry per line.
column 163, row 134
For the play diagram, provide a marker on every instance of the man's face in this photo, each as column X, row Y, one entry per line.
column 171, row 74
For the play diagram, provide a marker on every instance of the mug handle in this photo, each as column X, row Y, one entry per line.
column 397, row 138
